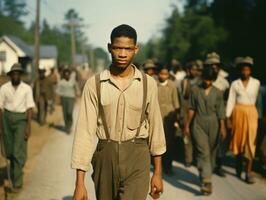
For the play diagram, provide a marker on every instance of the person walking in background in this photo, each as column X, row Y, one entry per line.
column 191, row 80
column 150, row 69
column 177, row 73
column 120, row 107
column 206, row 110
column 53, row 78
column 242, row 117
column 16, row 104
column 213, row 60
column 169, row 106
column 67, row 89
column 42, row 93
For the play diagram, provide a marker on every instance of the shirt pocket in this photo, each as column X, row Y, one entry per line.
column 133, row 117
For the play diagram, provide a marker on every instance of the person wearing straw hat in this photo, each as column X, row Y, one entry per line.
column 16, row 104
column 213, row 60
column 242, row 117
column 191, row 80
column 206, row 120
column 150, row 68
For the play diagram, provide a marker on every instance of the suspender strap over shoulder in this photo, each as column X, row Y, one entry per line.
column 100, row 107
column 145, row 88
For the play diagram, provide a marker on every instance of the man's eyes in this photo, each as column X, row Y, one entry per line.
column 122, row 48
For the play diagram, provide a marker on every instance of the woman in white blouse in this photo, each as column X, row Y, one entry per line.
column 241, row 111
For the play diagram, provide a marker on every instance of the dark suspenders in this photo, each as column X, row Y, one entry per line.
column 101, row 110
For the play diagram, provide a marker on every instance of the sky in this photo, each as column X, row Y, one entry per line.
column 101, row 16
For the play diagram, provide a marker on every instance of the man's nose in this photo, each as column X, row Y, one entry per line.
column 122, row 53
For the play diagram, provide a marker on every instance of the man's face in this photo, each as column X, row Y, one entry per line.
column 163, row 75
column 67, row 75
column 194, row 71
column 245, row 72
column 150, row 71
column 216, row 68
column 15, row 77
column 122, row 50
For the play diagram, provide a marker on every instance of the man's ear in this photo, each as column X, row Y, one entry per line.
column 109, row 47
column 137, row 48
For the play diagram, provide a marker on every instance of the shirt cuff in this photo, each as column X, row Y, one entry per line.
column 158, row 151
column 80, row 166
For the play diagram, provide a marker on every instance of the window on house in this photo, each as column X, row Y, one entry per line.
column 2, row 56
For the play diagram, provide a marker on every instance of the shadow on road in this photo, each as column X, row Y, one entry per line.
column 58, row 127
column 181, row 177
column 67, row 198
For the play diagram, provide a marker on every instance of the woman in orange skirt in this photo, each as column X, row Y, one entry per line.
column 242, row 117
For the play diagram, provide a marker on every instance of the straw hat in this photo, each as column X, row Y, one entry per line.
column 244, row 60
column 212, row 58
column 15, row 67
column 149, row 64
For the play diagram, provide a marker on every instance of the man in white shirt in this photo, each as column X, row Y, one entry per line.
column 16, row 103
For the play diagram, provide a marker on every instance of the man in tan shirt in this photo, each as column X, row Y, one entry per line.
column 120, row 107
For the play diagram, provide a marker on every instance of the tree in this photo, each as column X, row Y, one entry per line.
column 14, row 9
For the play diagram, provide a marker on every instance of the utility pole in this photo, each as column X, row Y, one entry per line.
column 73, row 25
column 37, row 40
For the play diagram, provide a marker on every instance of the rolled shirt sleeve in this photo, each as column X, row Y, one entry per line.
column 175, row 97
column 156, row 131
column 85, row 133
column 231, row 101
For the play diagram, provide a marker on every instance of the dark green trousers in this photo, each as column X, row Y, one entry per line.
column 15, row 144
column 205, row 134
column 68, row 107
column 121, row 171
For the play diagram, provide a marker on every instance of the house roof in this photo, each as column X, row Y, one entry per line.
column 81, row 59
column 46, row 51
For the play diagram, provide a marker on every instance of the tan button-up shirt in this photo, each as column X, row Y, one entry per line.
column 123, row 112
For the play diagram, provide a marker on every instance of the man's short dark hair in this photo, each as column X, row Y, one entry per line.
column 124, row 30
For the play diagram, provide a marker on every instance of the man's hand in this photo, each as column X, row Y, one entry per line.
column 80, row 192
column 223, row 133
column 229, row 123
column 156, row 186
column 27, row 132
column 186, row 131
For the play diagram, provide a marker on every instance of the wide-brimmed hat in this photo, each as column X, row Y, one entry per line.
column 212, row 58
column 244, row 60
column 16, row 67
column 149, row 64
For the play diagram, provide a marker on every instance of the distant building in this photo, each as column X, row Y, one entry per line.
column 81, row 60
column 13, row 50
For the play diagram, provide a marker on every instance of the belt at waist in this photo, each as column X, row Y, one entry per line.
column 11, row 112
column 126, row 141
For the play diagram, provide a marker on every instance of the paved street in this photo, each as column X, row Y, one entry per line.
column 52, row 178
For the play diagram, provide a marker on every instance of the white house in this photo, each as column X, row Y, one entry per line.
column 13, row 50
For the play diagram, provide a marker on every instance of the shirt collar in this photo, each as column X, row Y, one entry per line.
column 106, row 74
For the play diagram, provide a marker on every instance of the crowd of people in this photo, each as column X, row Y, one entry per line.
column 18, row 101
column 213, row 114
column 138, row 116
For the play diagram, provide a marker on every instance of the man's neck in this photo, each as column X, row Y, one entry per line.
column 245, row 79
column 117, row 72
